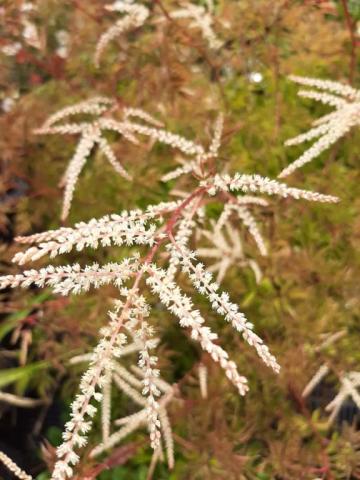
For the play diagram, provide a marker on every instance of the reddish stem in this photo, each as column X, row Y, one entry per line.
column 351, row 27
column 86, row 12
column 177, row 212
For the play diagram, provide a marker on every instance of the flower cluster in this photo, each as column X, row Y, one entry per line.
column 92, row 384
column 126, row 229
column 91, row 135
column 181, row 305
column 72, row 279
column 135, row 385
column 330, row 127
column 257, row 183
column 203, row 282
column 147, row 363
column 240, row 208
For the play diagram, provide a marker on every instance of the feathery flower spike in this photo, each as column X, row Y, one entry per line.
column 257, row 183
column 12, row 467
column 134, row 17
column 180, row 305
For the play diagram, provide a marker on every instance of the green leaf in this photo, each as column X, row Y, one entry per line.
column 262, row 476
column 248, row 300
column 41, row 298
column 354, row 8
column 53, row 434
column 12, row 320
column 23, row 374
column 43, row 476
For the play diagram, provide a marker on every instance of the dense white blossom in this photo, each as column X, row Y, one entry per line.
column 257, row 183
column 72, row 278
column 124, row 229
column 220, row 302
column 91, row 136
column 184, row 232
column 91, row 385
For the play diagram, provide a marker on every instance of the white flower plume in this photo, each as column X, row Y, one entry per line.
column 330, row 127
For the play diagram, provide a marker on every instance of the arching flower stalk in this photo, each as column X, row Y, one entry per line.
column 185, row 230
column 143, row 333
column 330, row 127
column 92, row 135
column 239, row 207
column 134, row 16
column 259, row 184
column 92, row 383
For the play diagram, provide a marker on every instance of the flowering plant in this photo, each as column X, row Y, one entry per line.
column 160, row 243
column 168, row 226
